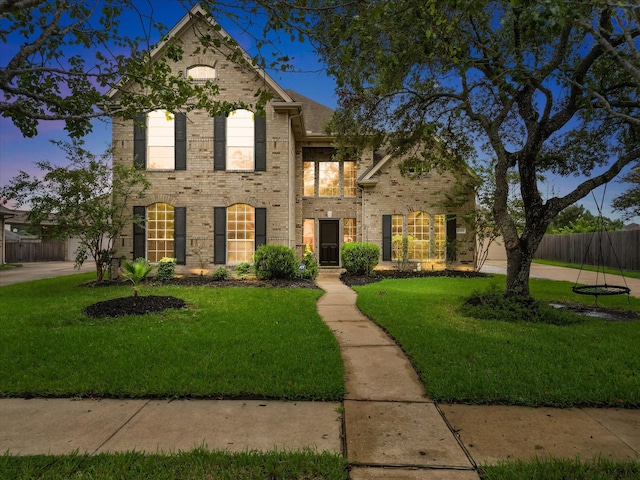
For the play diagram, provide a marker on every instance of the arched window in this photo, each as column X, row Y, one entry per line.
column 160, row 140
column 240, row 233
column 418, row 233
column 240, row 140
column 200, row 74
column 160, row 228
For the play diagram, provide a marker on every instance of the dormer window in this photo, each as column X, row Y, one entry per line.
column 200, row 74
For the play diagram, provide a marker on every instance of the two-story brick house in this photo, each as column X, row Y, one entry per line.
column 221, row 187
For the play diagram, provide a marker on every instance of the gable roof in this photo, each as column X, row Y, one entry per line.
column 197, row 12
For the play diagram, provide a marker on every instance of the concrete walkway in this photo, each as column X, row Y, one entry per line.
column 389, row 427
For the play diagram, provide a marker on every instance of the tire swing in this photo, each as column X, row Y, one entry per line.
column 601, row 288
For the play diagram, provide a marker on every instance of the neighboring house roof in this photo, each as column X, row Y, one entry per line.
column 315, row 114
column 6, row 212
column 631, row 226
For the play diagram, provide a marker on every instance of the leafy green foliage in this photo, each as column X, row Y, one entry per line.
column 308, row 269
column 62, row 57
column 629, row 201
column 275, row 261
column 576, row 219
column 542, row 87
column 221, row 273
column 166, row 269
column 87, row 200
column 136, row 271
column 243, row 269
column 360, row 258
column 515, row 308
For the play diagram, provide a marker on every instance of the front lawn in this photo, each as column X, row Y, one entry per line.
column 230, row 343
column 195, row 464
column 465, row 360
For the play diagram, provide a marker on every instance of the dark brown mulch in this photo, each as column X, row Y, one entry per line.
column 142, row 305
column 379, row 275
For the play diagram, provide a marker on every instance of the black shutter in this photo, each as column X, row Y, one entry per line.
column 451, row 238
column 180, row 141
column 219, row 235
column 180, row 234
column 140, row 142
column 386, row 237
column 139, row 236
column 261, row 227
column 260, row 134
column 219, row 142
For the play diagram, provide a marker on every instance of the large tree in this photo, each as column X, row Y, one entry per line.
column 629, row 201
column 543, row 87
column 86, row 200
column 60, row 58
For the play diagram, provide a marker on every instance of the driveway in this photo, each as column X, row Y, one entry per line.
column 568, row 274
column 39, row 270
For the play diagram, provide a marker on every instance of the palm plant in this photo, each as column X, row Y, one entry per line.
column 136, row 272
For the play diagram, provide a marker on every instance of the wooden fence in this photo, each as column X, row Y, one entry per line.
column 617, row 250
column 25, row 252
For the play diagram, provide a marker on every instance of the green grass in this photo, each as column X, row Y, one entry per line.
column 561, row 469
column 590, row 268
column 196, row 464
column 231, row 343
column 461, row 359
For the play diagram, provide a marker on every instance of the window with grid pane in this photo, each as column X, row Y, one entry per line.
column 240, row 233
column 240, row 140
column 418, row 233
column 349, row 230
column 201, row 74
column 439, row 237
column 329, row 179
column 349, row 179
column 309, row 234
column 396, row 237
column 160, row 140
column 309, row 179
column 160, row 228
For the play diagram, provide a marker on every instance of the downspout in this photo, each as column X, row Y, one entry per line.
column 292, row 183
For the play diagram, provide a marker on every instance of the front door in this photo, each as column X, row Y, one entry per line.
column 329, row 243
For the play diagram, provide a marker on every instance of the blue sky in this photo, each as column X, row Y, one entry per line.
column 18, row 153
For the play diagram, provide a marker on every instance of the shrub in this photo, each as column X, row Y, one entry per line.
column 243, row 269
column 360, row 258
column 221, row 274
column 166, row 269
column 275, row 261
column 513, row 308
column 309, row 267
column 136, row 272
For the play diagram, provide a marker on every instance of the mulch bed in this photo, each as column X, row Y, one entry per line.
column 142, row 305
column 379, row 275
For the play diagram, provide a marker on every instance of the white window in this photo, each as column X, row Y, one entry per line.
column 240, row 233
column 240, row 140
column 349, row 179
column 160, row 227
column 418, row 233
column 309, row 179
column 396, row 237
column 200, row 74
column 349, row 230
column 160, row 140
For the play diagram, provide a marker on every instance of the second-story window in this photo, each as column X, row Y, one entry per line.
column 160, row 140
column 240, row 140
column 329, row 179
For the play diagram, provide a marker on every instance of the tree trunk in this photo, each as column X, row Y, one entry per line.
column 518, row 269
column 99, row 272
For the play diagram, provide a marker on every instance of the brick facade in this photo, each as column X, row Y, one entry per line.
column 200, row 187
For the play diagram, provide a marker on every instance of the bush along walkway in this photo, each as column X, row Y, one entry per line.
column 391, row 428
